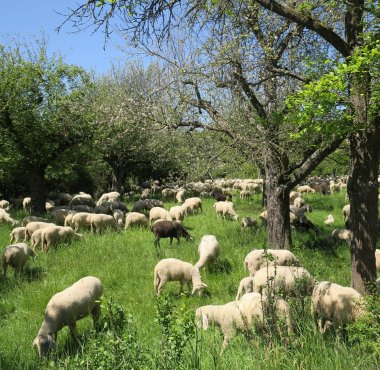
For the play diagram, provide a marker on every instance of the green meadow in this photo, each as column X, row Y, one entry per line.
column 124, row 262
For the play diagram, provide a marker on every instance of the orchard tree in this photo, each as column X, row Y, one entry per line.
column 41, row 115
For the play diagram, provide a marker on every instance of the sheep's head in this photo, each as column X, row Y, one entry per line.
column 199, row 288
column 44, row 344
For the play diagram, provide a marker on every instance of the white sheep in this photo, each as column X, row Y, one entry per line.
column 31, row 227
column 119, row 217
column 208, row 250
column 342, row 234
column 26, row 203
column 4, row 204
column 17, row 234
column 299, row 202
column 377, row 258
column 293, row 195
column 193, row 204
column 260, row 258
column 346, row 210
column 100, row 222
column 264, row 218
column 225, row 209
column 16, row 255
column 57, row 234
column 245, row 286
column 288, row 280
column 172, row 269
column 305, row 189
column 329, row 220
column 158, row 212
column 113, row 196
column 180, row 195
column 136, row 219
column 245, row 194
column 65, row 308
column 59, row 215
column 5, row 217
column 177, row 213
column 79, row 220
column 333, row 305
column 36, row 239
column 248, row 222
column 241, row 316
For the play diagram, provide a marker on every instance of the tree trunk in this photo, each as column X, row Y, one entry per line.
column 37, row 188
column 118, row 176
column 362, row 188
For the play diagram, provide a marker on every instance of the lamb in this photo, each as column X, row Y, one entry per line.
column 31, row 227
column 100, row 222
column 241, row 316
column 158, row 212
column 5, row 217
column 57, row 234
column 245, row 194
column 49, row 205
column 346, row 215
column 119, row 217
column 135, row 218
column 333, row 305
column 208, row 250
column 172, row 269
column 69, row 219
column 81, row 219
column 342, row 234
column 17, row 234
column 180, row 195
column 225, row 209
column 288, row 280
column 4, row 204
column 177, row 213
column 248, row 222
column 113, row 196
column 30, row 219
column 260, row 258
column 26, row 203
column 299, row 202
column 16, row 255
column 169, row 229
column 246, row 286
column 305, row 189
column 65, row 308
column 36, row 239
column 329, row 220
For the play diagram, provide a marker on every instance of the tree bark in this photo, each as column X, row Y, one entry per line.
column 118, row 176
column 37, row 188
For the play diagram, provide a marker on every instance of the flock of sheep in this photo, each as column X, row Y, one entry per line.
column 271, row 272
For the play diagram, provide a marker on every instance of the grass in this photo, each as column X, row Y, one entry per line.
column 124, row 263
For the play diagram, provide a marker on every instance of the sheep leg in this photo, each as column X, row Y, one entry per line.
column 95, row 313
column 161, row 286
column 171, row 240
column 73, row 329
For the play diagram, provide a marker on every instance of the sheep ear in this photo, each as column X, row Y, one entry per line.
column 205, row 322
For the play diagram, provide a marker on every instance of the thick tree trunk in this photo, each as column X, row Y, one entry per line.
column 363, row 193
column 37, row 188
column 118, row 176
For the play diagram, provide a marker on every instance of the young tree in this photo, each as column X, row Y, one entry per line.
column 40, row 113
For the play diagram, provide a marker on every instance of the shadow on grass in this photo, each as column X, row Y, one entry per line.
column 33, row 274
column 318, row 242
column 221, row 266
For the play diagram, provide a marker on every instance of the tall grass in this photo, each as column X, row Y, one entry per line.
column 124, row 262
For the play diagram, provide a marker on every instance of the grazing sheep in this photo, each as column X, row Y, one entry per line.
column 208, row 250
column 241, row 316
column 69, row 219
column 305, row 189
column 17, row 234
column 83, row 208
column 168, row 193
column 119, row 217
column 342, row 234
column 100, row 222
column 5, row 217
column 193, row 204
column 16, row 255
column 136, row 219
column 288, row 280
column 146, row 205
column 113, row 196
column 172, row 269
column 26, row 203
column 299, row 202
column 225, row 209
column 4, row 204
column 65, row 308
column 80, row 220
column 52, row 235
column 245, row 194
column 103, row 210
column 248, row 222
column 112, row 206
column 177, row 213
column 245, row 286
column 299, row 212
column 329, row 220
column 145, row 194
column 158, row 212
column 377, row 257
column 346, row 215
column 59, row 215
column 49, row 205
column 36, row 239
column 333, row 305
column 82, row 199
column 31, row 227
column 30, row 219
column 260, row 258
column 169, row 229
